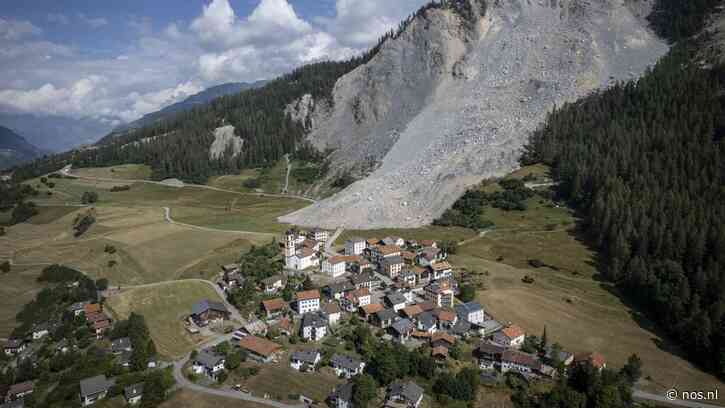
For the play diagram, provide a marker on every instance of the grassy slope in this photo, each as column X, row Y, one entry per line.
column 189, row 399
column 165, row 306
column 124, row 172
column 17, row 287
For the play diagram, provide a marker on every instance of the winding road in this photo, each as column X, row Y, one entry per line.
column 167, row 217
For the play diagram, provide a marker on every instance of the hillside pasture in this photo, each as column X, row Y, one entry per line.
column 165, row 305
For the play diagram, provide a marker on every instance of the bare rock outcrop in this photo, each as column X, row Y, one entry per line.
column 451, row 101
column 225, row 140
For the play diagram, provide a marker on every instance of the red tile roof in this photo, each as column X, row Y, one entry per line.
column 412, row 311
column 259, row 346
column 92, row 308
column 308, row 295
column 273, row 305
column 443, row 336
column 513, row 332
column 597, row 360
column 388, row 249
column 372, row 308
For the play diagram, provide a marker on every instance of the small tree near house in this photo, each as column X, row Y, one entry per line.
column 5, row 267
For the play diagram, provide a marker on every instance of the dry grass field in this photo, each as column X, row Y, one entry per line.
column 164, row 306
column 190, row 399
column 17, row 287
column 123, row 172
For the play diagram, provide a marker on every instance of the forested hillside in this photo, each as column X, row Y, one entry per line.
column 179, row 146
column 644, row 163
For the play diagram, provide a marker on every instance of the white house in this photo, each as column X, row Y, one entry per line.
column 346, row 366
column 512, row 336
column 307, row 301
column 355, row 246
column 133, row 393
column 303, row 259
column 332, row 312
column 408, row 394
column 341, row 397
column 392, row 266
column 40, row 331
column 305, row 360
column 319, row 235
column 513, row 360
column 313, row 326
column 441, row 270
column 94, row 389
column 440, row 293
column 471, row 312
column 356, row 299
column 397, row 301
column 334, row 266
column 208, row 363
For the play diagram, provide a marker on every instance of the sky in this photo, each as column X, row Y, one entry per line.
column 115, row 61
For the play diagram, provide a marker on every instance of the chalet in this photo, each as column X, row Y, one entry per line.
column 429, row 256
column 427, row 323
column 409, row 394
column 446, row 318
column 334, row 266
column 392, row 266
column 408, row 257
column 561, row 356
column 208, row 311
column 319, row 235
column 385, row 318
column 489, row 355
column 401, row 330
column 368, row 311
column 441, row 270
column 411, row 312
column 94, row 389
column 231, row 279
column 397, row 301
column 209, row 363
column 439, row 352
column 422, row 275
column 356, row 299
column 133, row 393
column 594, row 360
column 428, row 243
column 341, row 397
column 120, row 345
column 274, row 307
column 512, row 336
column 385, row 251
column 14, row 346
column 259, row 349
column 92, row 308
column 337, row 290
column 20, row 390
column 230, row 268
column 307, row 301
column 365, row 280
column 332, row 312
column 77, row 308
column 346, row 366
column 313, row 326
column 471, row 312
column 284, row 326
column 524, row 363
column 40, row 330
column 305, row 360
column 274, row 284
column 355, row 246
column 440, row 293
column 255, row 327
column 441, row 339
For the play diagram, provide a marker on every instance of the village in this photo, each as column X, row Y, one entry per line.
column 403, row 293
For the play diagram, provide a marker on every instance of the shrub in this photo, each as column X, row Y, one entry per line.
column 5, row 267
column 536, row 263
column 527, row 279
column 110, row 249
column 252, row 183
column 89, row 197
column 115, row 189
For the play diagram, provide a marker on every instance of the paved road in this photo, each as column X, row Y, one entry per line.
column 537, row 185
column 183, row 382
column 661, row 398
column 167, row 217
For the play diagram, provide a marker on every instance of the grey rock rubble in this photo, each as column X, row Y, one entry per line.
column 447, row 104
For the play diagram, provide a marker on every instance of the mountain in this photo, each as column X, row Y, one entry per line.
column 14, row 149
column 55, row 133
column 451, row 100
column 202, row 98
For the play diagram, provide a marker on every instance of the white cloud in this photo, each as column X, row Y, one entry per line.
column 167, row 65
column 93, row 22
column 11, row 30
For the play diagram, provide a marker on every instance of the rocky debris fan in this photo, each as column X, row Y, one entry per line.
column 448, row 103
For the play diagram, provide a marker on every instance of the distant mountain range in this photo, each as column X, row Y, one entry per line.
column 14, row 149
column 58, row 134
column 202, row 98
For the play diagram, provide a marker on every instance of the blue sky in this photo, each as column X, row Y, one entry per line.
column 117, row 60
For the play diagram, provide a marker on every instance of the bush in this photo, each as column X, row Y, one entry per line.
column 5, row 267
column 536, row 263
column 51, row 185
column 115, row 189
column 252, row 183
column 23, row 212
column 102, row 284
column 89, row 197
column 527, row 279
column 109, row 249
column 2, row 231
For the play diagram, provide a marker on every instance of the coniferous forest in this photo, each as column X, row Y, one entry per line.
column 644, row 164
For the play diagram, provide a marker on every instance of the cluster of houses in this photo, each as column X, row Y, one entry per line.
column 403, row 288
column 91, row 389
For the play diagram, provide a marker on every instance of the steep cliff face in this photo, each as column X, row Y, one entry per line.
column 451, row 100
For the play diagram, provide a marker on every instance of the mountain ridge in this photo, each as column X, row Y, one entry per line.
column 15, row 149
